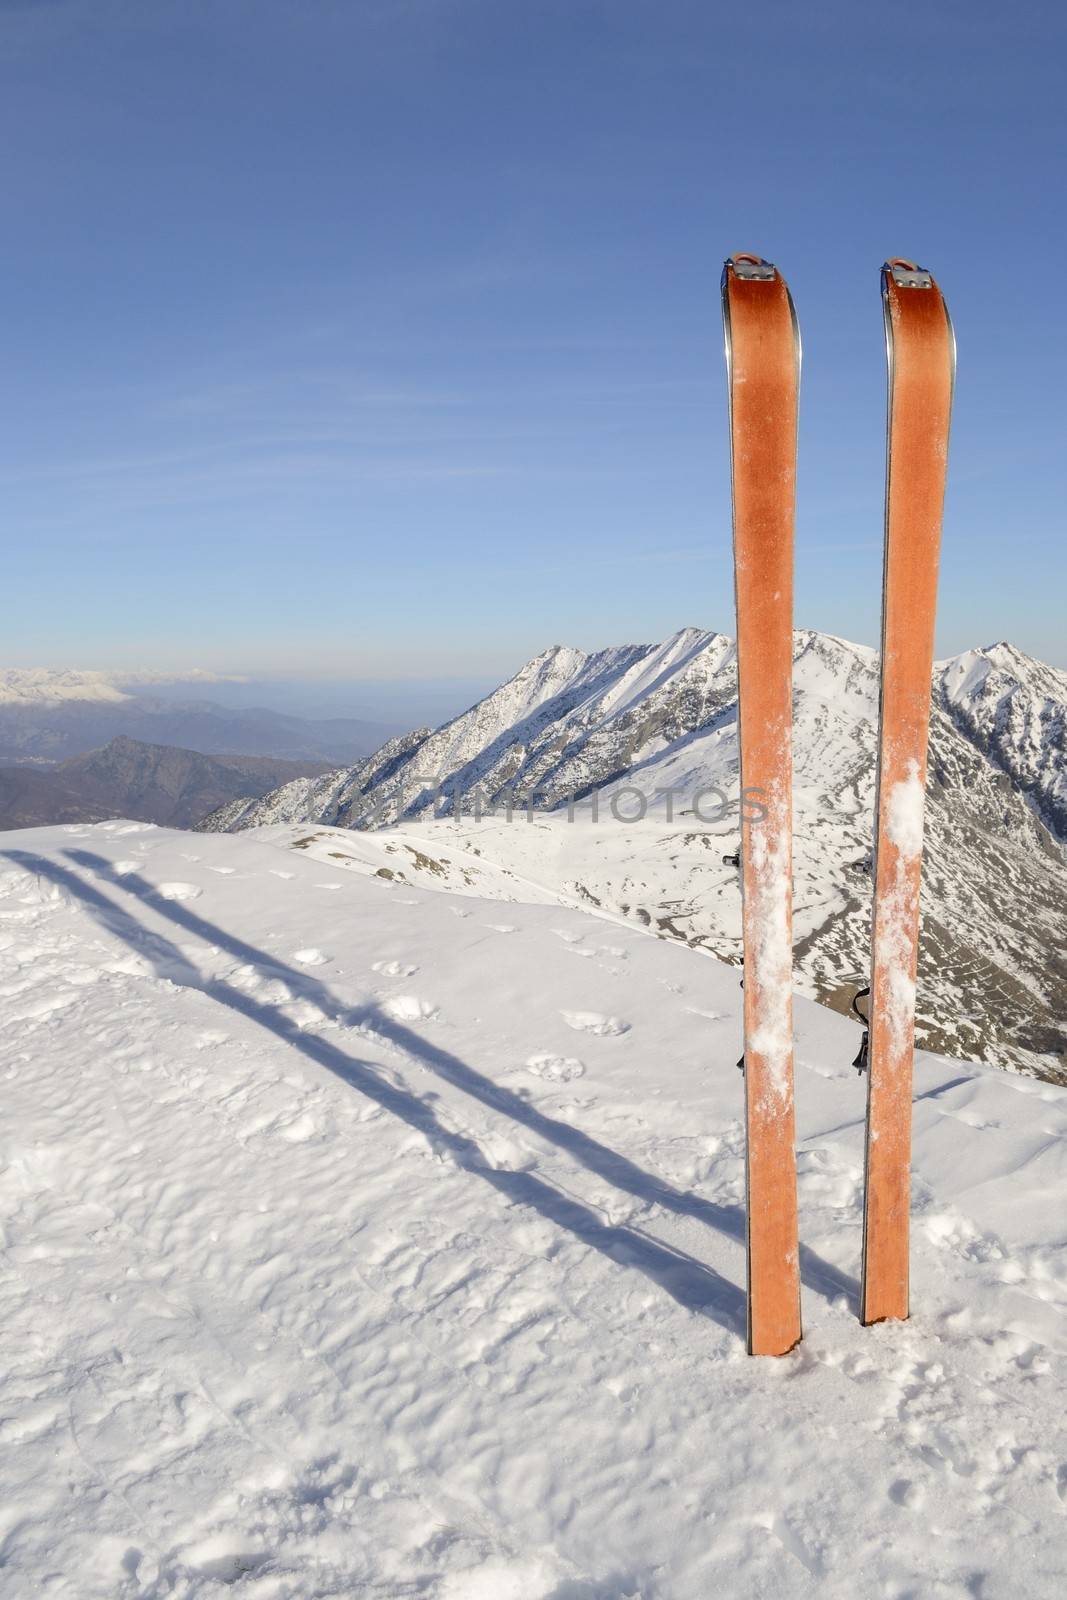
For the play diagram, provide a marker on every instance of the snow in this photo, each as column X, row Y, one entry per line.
column 45, row 686
column 896, row 918
column 768, row 908
column 904, row 814
column 689, row 649
column 37, row 686
column 308, row 1291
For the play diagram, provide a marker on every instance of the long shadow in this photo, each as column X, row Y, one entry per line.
column 927, row 1094
column 691, row 1283
column 818, row 1273
column 943, row 1088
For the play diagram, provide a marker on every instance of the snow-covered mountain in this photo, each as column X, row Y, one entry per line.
column 651, row 729
column 1014, row 709
column 29, row 686
column 362, row 1240
column 54, row 685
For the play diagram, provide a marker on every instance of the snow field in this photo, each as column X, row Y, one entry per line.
column 338, row 1259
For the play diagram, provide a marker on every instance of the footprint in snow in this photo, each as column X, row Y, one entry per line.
column 224, row 872
column 502, row 927
column 409, row 1008
column 393, row 969
column 297, row 1130
column 970, row 1119
column 179, row 891
column 595, row 1022
column 276, row 873
column 310, row 957
column 566, row 935
column 557, row 1069
column 122, row 867
column 709, row 1016
column 957, row 1234
column 212, row 1559
column 904, row 1492
column 819, row 1069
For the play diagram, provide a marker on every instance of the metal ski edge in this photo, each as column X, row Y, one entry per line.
column 889, row 353
column 724, row 287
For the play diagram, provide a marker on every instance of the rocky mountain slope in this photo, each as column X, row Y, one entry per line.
column 627, row 760
column 32, row 797
column 148, row 782
column 1014, row 709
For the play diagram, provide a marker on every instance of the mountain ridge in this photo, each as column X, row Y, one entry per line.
column 653, row 728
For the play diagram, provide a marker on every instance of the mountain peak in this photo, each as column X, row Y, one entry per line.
column 1006, row 654
column 553, row 651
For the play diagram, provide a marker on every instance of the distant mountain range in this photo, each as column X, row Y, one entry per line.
column 147, row 782
column 52, row 715
column 662, row 720
column 46, row 685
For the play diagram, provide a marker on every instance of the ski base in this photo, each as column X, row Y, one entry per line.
column 921, row 355
column 763, row 360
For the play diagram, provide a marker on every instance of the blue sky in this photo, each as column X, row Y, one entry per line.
column 381, row 338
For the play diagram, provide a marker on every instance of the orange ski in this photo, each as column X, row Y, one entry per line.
column 763, row 371
column 921, row 353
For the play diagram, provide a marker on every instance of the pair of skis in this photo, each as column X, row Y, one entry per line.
column 763, row 370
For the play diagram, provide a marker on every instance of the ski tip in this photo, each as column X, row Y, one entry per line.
column 898, row 273
column 748, row 267
column 906, row 274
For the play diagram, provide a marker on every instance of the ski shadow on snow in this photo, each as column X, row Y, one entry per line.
column 692, row 1283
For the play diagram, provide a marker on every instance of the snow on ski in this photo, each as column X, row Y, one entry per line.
column 921, row 355
column 763, row 374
